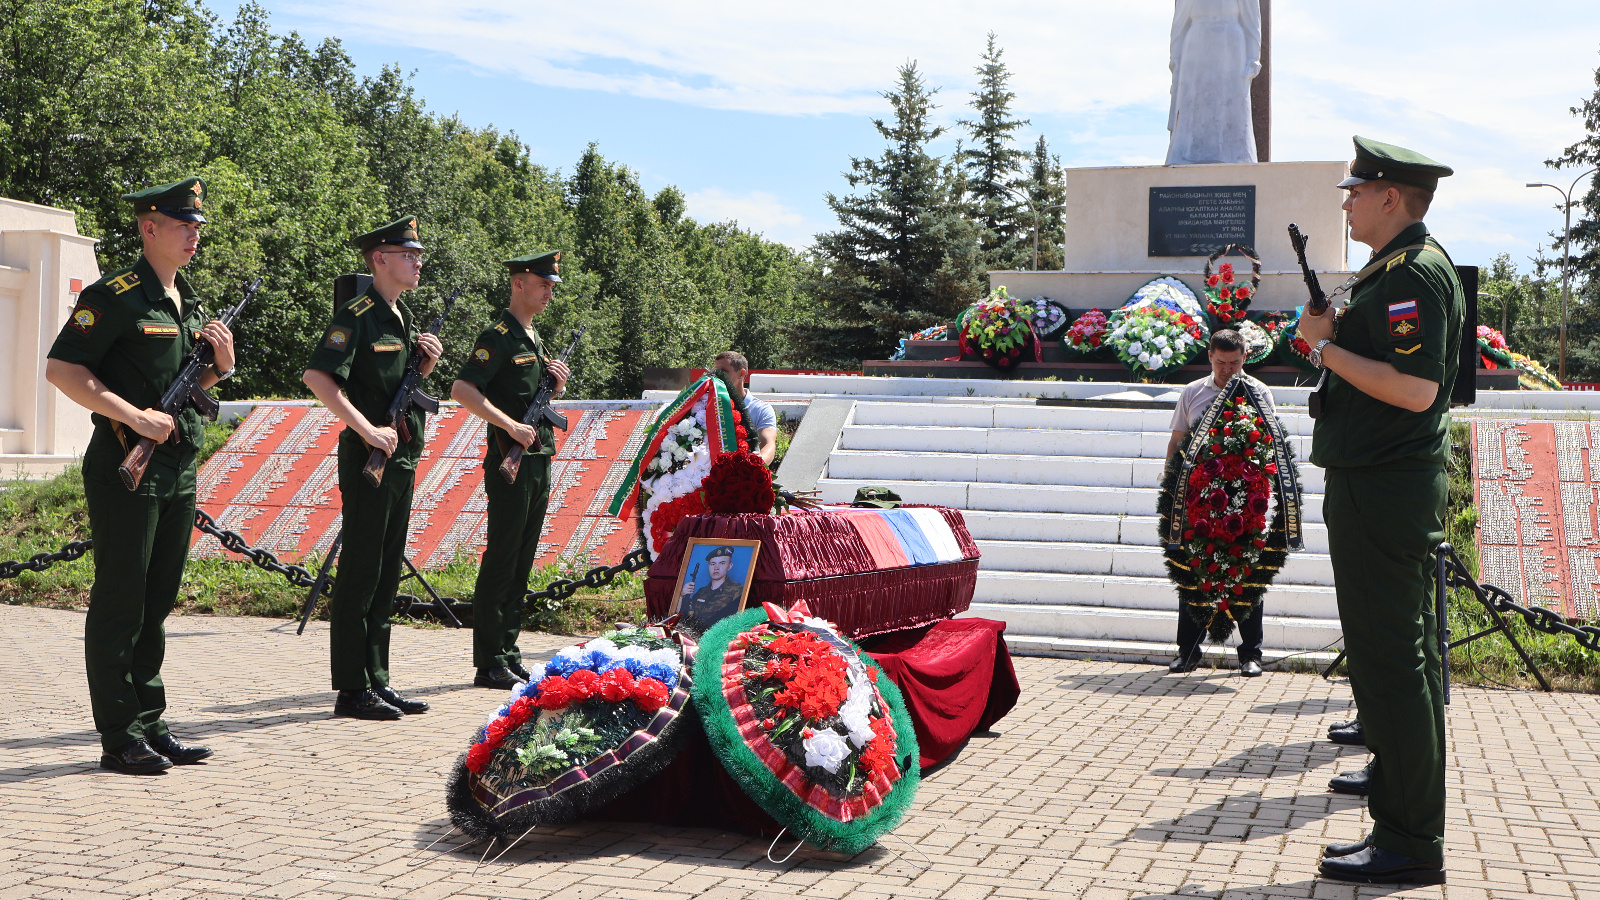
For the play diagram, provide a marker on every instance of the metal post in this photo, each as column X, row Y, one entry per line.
column 1566, row 259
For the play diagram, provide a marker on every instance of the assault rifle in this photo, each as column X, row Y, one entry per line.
column 539, row 411
column 1315, row 305
column 184, row 391
column 409, row 394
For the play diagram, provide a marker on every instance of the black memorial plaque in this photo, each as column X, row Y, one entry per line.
column 1199, row 221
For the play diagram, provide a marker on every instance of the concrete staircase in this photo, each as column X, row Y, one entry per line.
column 1062, row 500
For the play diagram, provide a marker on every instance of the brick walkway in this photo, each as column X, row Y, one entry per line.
column 1109, row 781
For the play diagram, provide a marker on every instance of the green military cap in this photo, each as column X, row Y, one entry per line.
column 181, row 200
column 545, row 264
column 402, row 232
column 720, row 551
column 880, row 497
column 1376, row 160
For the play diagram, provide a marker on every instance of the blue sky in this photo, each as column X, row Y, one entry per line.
column 753, row 110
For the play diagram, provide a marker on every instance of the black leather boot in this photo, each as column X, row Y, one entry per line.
column 134, row 758
column 364, row 704
column 181, row 755
column 409, row 707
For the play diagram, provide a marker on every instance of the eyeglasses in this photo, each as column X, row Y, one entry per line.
column 411, row 256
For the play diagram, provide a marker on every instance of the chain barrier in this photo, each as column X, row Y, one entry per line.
column 1536, row 617
column 41, row 561
column 600, row 576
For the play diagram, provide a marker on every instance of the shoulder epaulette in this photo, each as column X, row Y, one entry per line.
column 500, row 327
column 360, row 306
column 123, row 282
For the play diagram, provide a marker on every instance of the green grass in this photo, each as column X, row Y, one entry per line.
column 41, row 516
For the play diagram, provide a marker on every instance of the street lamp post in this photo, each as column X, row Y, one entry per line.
column 1566, row 259
column 1029, row 200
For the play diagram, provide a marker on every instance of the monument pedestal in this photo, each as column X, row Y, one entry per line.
column 1126, row 225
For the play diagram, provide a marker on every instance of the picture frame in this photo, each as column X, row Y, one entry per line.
column 709, row 590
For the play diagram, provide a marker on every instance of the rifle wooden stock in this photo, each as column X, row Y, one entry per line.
column 373, row 470
column 137, row 460
column 512, row 463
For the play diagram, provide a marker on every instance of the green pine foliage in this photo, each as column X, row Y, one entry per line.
column 1584, row 154
column 993, row 167
column 299, row 152
column 905, row 256
column 1047, row 188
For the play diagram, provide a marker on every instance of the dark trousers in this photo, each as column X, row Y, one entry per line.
column 1383, row 526
column 141, row 540
column 1190, row 634
column 516, row 516
column 375, row 522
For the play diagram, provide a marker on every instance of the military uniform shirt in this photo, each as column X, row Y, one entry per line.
column 507, row 364
column 365, row 348
column 709, row 602
column 1409, row 315
column 128, row 332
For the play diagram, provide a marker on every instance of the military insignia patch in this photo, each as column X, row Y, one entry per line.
column 338, row 338
column 1398, row 260
column 1409, row 352
column 83, row 318
column 387, row 346
column 501, row 327
column 1403, row 320
column 361, row 306
column 523, row 359
column 158, row 329
column 124, row 282
column 481, row 355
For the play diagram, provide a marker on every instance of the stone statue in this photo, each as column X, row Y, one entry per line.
column 1216, row 53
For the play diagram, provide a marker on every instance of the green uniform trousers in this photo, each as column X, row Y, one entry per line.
column 1383, row 526
column 516, row 516
column 141, row 540
column 375, row 523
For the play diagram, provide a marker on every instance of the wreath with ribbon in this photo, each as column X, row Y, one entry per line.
column 1227, row 298
column 808, row 725
column 603, row 719
column 1259, row 343
column 1086, row 335
column 999, row 331
column 1154, row 340
column 1216, row 492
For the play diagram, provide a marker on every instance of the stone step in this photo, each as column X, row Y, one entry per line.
column 1079, row 557
column 1027, row 441
column 1012, row 469
column 995, row 525
column 1046, row 498
column 1133, row 592
column 1012, row 415
column 1281, row 633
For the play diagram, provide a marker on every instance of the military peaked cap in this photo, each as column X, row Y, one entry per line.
column 545, row 264
column 1377, row 161
column 720, row 551
column 181, row 200
column 402, row 232
column 880, row 497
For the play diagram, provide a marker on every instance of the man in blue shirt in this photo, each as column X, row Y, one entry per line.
column 763, row 424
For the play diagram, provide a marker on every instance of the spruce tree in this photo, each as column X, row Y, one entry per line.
column 1585, row 249
column 1047, row 189
column 993, row 163
column 905, row 256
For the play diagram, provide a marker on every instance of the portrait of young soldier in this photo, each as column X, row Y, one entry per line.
column 1383, row 440
column 123, row 345
column 355, row 369
column 719, row 598
column 497, row 383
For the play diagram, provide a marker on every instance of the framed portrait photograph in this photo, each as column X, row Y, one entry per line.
column 714, row 580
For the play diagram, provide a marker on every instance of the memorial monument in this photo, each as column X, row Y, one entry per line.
column 1216, row 55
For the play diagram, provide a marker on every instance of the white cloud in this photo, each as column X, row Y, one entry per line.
column 757, row 211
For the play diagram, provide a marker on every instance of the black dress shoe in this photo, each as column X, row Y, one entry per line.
column 520, row 672
column 1340, row 726
column 168, row 746
column 365, row 704
column 500, row 677
column 1184, row 664
column 134, row 758
column 1250, row 668
column 1336, row 850
column 1350, row 733
column 409, row 707
column 1375, row 865
column 1358, row 782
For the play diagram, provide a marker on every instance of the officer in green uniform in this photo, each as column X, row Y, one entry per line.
column 719, row 598
column 496, row 383
column 355, row 370
column 1383, row 440
column 121, row 348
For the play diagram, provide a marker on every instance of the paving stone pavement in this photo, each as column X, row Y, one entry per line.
column 1109, row 781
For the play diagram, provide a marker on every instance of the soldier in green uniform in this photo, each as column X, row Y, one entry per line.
column 356, row 368
column 124, row 343
column 1383, row 440
column 719, row 598
column 496, row 383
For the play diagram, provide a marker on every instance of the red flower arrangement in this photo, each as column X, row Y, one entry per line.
column 1227, row 299
column 1087, row 333
column 1227, row 498
column 669, row 514
column 738, row 483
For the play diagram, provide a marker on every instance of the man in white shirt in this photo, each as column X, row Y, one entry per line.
column 763, row 424
column 1226, row 353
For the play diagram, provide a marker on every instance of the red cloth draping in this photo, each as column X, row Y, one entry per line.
column 956, row 676
column 821, row 557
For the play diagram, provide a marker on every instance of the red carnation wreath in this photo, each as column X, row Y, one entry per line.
column 1227, row 298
